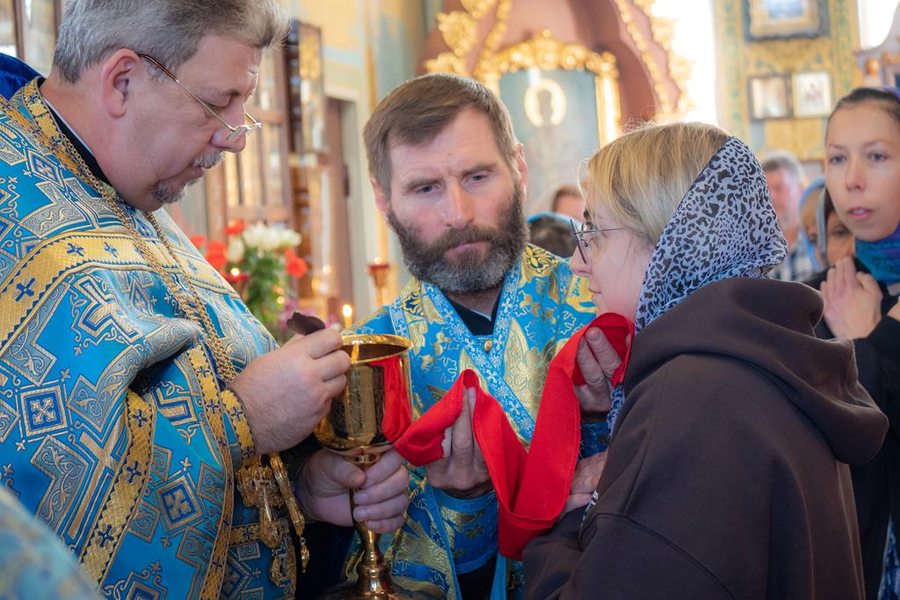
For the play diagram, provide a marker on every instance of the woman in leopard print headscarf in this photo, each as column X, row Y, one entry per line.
column 726, row 474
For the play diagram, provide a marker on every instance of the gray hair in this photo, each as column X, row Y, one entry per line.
column 168, row 30
column 781, row 159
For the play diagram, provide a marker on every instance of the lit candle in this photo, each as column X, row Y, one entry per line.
column 347, row 311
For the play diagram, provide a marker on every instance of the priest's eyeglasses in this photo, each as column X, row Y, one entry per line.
column 236, row 133
column 583, row 235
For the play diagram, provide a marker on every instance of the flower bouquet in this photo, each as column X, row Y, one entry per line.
column 258, row 260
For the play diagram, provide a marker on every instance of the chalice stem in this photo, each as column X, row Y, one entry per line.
column 373, row 574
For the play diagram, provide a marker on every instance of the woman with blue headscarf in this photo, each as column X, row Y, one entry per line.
column 809, row 226
column 862, row 173
column 726, row 475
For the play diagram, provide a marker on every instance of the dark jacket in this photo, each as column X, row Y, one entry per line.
column 725, row 476
column 876, row 484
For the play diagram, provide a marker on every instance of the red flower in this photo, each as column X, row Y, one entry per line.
column 216, row 255
column 217, row 260
column 296, row 267
column 217, row 247
column 236, row 228
column 198, row 241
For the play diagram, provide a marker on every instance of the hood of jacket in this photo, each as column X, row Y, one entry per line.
column 768, row 325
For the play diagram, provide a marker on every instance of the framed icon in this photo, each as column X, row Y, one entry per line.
column 769, row 97
column 768, row 19
column 812, row 93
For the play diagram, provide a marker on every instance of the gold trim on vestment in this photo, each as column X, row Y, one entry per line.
column 126, row 491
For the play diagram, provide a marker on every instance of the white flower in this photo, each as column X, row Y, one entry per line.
column 270, row 239
column 235, row 251
column 255, row 235
column 289, row 238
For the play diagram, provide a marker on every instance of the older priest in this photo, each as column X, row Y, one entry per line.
column 139, row 399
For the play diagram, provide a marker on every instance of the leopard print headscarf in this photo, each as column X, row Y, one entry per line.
column 724, row 227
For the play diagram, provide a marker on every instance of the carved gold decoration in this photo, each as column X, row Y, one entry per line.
column 547, row 53
column 663, row 31
column 447, row 62
column 310, row 58
column 459, row 30
column 494, row 38
column 802, row 136
column 478, row 8
column 667, row 109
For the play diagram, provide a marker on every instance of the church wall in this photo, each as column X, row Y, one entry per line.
column 369, row 47
column 740, row 59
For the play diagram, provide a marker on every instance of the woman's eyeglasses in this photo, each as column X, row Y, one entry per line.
column 583, row 237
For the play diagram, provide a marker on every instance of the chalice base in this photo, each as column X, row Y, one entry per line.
column 359, row 590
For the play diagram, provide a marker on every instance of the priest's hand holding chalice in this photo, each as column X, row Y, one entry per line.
column 372, row 411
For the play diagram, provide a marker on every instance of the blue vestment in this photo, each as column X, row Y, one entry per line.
column 115, row 427
column 541, row 305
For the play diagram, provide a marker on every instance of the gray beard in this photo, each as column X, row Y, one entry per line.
column 468, row 272
column 166, row 195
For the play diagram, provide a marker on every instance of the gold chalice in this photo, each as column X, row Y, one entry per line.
column 354, row 428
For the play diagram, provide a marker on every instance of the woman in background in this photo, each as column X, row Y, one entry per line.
column 810, row 201
column 862, row 173
column 837, row 241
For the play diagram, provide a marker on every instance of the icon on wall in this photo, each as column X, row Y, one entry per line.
column 769, row 97
column 812, row 93
column 771, row 19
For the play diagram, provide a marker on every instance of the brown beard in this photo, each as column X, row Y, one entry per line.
column 468, row 271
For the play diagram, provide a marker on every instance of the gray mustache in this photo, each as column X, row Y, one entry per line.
column 208, row 161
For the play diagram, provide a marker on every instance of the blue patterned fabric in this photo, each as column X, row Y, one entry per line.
column 890, row 585
column 34, row 565
column 881, row 258
column 541, row 305
column 114, row 427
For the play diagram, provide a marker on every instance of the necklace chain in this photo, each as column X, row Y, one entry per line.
column 197, row 311
column 253, row 474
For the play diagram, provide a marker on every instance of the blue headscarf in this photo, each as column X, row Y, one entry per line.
column 812, row 193
column 552, row 215
column 881, row 258
column 724, row 227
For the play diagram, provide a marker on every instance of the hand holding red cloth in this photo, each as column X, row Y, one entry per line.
column 532, row 487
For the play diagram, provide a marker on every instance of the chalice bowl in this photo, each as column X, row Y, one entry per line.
column 360, row 426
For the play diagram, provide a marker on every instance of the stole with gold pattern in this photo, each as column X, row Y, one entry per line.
column 114, row 426
column 541, row 305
